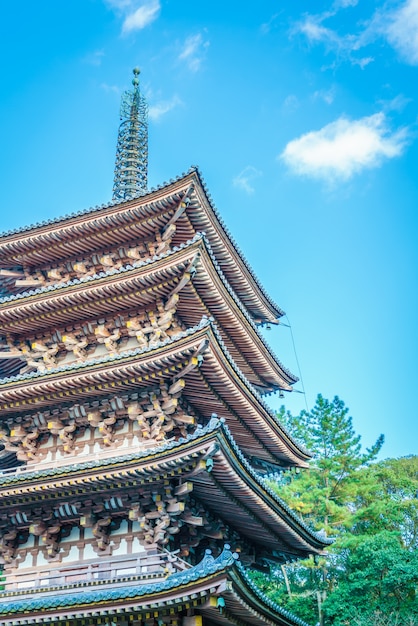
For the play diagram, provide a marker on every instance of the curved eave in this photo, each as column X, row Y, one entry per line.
column 231, row 489
column 138, row 285
column 117, row 224
column 247, row 504
column 133, row 286
column 215, row 292
column 217, row 386
column 245, row 593
column 203, row 216
column 199, row 587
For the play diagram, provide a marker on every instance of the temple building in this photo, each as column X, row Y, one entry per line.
column 134, row 437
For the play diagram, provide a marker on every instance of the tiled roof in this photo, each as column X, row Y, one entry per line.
column 98, row 208
column 213, row 426
column 226, row 561
column 150, row 261
column 206, row 567
column 204, row 323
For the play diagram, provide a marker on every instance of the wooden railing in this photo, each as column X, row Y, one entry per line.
column 74, row 458
column 136, row 566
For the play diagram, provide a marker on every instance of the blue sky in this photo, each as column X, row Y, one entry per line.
column 302, row 118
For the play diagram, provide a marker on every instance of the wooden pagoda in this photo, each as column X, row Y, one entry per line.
column 134, row 435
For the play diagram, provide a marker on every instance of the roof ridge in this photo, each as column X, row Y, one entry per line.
column 213, row 424
column 95, row 209
column 149, row 261
column 103, row 274
column 263, row 483
column 204, row 323
column 109, row 358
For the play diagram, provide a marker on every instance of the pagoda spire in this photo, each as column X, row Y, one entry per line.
column 131, row 165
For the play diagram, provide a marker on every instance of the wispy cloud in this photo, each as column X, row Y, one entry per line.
column 110, row 88
column 119, row 4
column 401, row 30
column 398, row 26
column 136, row 14
column 291, row 103
column 326, row 95
column 311, row 26
column 344, row 148
column 344, row 4
column 193, row 51
column 266, row 27
column 398, row 103
column 343, row 46
column 246, row 178
column 94, row 58
column 159, row 109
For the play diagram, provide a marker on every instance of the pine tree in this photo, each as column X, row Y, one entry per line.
column 323, row 495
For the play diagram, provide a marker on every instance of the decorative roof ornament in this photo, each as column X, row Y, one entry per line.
column 131, row 165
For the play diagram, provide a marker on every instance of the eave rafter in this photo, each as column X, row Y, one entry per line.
column 227, row 483
column 218, row 589
column 215, row 386
column 117, row 224
column 116, row 291
column 137, row 285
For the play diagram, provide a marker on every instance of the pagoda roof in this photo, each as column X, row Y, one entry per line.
column 214, row 384
column 219, row 589
column 114, row 224
column 223, row 481
column 139, row 284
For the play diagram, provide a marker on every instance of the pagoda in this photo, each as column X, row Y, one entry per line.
column 134, row 437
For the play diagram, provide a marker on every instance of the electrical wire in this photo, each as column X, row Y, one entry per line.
column 297, row 362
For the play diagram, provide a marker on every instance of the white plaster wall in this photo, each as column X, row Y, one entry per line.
column 74, row 555
column 27, row 562
column 137, row 547
column 122, row 550
column 41, row 560
column 89, row 553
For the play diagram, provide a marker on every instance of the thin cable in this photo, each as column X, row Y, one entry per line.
column 297, row 363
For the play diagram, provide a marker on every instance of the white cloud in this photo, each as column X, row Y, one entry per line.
column 110, row 88
column 156, row 111
column 343, row 4
column 145, row 14
column 327, row 95
column 291, row 103
column 344, row 148
column 94, row 58
column 362, row 62
column 246, row 178
column 119, row 5
column 401, row 31
column 315, row 32
column 193, row 51
column 398, row 103
column 266, row 27
column 136, row 14
column 398, row 26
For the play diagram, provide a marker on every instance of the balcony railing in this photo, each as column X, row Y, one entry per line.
column 119, row 569
column 100, row 455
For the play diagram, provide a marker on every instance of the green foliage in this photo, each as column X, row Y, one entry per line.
column 369, row 575
column 322, row 493
column 380, row 576
column 387, row 499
